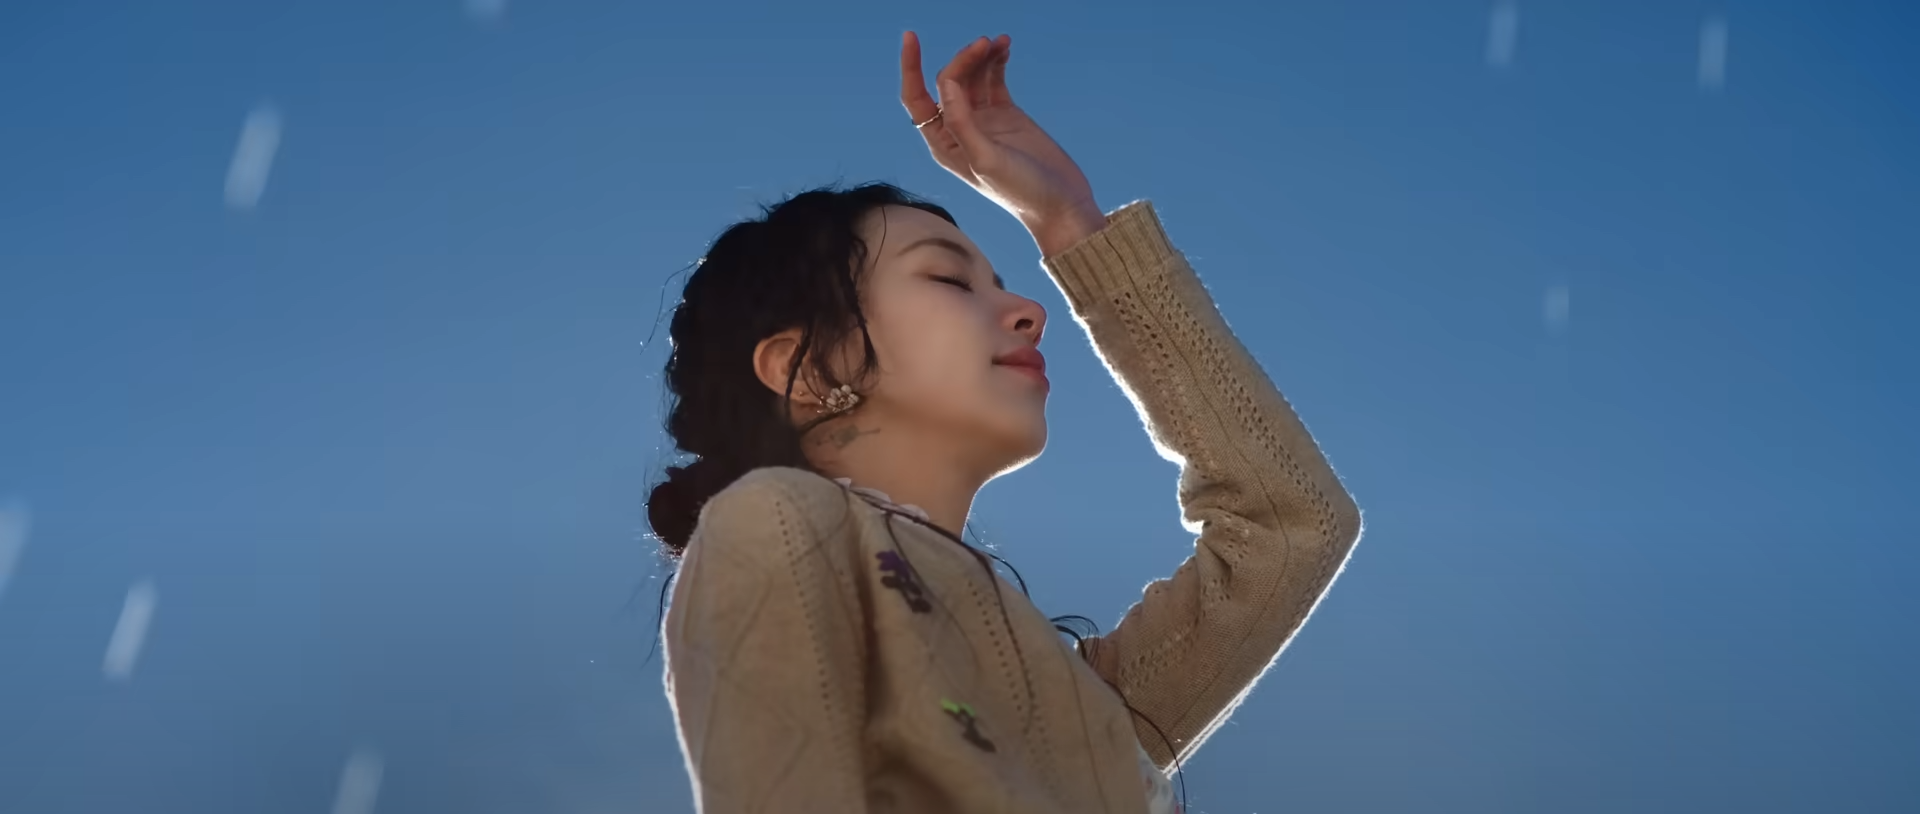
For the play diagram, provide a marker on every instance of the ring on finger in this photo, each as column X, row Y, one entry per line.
column 937, row 113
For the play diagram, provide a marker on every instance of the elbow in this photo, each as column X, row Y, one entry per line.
column 1347, row 520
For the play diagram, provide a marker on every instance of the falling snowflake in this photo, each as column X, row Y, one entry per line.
column 13, row 538
column 253, row 158
column 1503, row 32
column 1555, row 308
column 359, row 783
column 1713, row 53
column 486, row 10
column 136, row 616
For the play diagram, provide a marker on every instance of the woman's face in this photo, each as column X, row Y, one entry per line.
column 959, row 366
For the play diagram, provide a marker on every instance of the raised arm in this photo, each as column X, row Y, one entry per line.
column 1275, row 526
column 765, row 659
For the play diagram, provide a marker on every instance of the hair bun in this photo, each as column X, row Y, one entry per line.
column 673, row 508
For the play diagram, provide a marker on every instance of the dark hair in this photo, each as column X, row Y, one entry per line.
column 797, row 265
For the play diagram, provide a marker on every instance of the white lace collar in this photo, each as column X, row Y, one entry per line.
column 881, row 498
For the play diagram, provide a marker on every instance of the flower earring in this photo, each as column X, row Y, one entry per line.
column 839, row 400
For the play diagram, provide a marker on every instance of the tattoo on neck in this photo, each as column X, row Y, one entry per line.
column 842, row 437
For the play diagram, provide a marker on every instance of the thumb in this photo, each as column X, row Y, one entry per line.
column 956, row 109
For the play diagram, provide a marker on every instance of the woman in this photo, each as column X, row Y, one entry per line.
column 849, row 371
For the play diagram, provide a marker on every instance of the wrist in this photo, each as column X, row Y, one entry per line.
column 1059, row 233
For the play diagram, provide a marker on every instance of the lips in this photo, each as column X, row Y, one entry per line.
column 1027, row 357
column 1028, row 362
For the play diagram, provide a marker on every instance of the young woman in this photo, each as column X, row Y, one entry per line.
column 848, row 371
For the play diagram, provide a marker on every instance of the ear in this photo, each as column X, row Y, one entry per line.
column 773, row 361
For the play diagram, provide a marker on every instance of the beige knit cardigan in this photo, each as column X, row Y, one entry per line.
column 827, row 654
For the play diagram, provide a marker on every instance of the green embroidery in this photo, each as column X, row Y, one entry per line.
column 964, row 714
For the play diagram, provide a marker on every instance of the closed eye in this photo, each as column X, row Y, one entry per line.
column 955, row 281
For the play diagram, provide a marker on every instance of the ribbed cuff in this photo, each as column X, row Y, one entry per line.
column 1133, row 243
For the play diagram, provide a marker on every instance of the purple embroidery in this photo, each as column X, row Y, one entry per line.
column 900, row 578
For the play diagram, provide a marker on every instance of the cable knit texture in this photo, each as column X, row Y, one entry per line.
column 827, row 653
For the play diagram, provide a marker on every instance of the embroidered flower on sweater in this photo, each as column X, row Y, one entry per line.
column 900, row 577
column 964, row 714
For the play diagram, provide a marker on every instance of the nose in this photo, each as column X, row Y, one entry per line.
column 1027, row 318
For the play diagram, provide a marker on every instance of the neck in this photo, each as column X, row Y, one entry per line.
column 907, row 468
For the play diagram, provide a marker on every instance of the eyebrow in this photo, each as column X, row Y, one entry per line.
column 952, row 246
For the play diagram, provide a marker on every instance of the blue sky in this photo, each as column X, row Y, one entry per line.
column 1618, row 361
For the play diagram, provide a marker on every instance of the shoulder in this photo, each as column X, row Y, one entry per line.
column 759, row 567
column 774, row 487
column 775, row 504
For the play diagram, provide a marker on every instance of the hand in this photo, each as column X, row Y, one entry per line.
column 978, row 134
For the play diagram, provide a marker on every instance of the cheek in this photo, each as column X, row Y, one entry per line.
column 936, row 353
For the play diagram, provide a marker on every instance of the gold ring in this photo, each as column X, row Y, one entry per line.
column 934, row 118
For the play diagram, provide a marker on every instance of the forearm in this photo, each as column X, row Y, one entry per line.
column 1275, row 523
column 1200, row 392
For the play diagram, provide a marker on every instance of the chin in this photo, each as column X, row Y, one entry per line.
column 1024, row 448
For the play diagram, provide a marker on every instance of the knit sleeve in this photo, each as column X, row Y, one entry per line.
column 766, row 657
column 1275, row 525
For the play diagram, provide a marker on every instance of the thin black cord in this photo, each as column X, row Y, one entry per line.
column 1026, row 673
column 660, row 619
column 1080, row 646
column 1079, row 639
column 1180, row 775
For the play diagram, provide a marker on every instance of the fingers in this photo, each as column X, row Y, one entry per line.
column 966, row 65
column 924, row 111
column 981, row 64
column 976, row 76
column 957, row 110
column 969, row 71
column 996, row 92
column 913, row 81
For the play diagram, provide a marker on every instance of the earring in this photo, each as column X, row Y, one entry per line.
column 840, row 400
